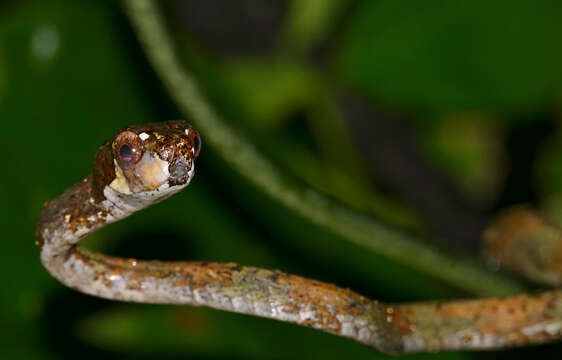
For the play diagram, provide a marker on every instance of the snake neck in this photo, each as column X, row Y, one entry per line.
column 78, row 212
column 71, row 216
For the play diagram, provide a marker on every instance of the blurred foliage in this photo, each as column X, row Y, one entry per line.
column 72, row 73
column 548, row 175
column 440, row 57
column 469, row 147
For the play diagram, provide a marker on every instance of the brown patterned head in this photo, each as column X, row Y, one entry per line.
column 148, row 158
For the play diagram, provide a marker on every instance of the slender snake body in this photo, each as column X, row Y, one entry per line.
column 143, row 165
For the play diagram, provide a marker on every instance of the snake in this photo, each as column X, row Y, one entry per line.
column 145, row 164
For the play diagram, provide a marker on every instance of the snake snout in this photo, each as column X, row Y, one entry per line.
column 179, row 172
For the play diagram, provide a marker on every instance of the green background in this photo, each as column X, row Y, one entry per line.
column 72, row 74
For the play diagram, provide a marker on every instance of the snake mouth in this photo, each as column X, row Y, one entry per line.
column 150, row 173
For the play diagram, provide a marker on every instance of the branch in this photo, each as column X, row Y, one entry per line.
column 244, row 158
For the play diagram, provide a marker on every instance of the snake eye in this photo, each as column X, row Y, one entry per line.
column 128, row 149
column 126, row 153
column 197, row 144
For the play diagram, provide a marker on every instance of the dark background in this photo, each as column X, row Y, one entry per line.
column 428, row 115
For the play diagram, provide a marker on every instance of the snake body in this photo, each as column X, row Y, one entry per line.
column 143, row 165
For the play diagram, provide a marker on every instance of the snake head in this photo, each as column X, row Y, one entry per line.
column 148, row 158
